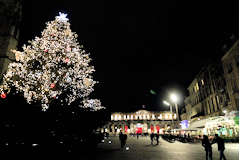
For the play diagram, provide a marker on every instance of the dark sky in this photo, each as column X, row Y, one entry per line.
column 138, row 46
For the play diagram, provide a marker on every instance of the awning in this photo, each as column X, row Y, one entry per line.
column 198, row 123
column 187, row 129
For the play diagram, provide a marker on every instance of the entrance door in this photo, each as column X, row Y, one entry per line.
column 158, row 128
column 139, row 130
column 139, row 127
column 126, row 129
column 152, row 129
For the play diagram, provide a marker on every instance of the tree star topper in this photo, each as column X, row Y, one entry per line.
column 62, row 17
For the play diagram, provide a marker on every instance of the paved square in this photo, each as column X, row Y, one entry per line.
column 141, row 149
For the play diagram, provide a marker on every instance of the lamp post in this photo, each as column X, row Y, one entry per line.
column 174, row 99
column 168, row 104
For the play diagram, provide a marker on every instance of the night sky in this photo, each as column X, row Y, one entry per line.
column 138, row 46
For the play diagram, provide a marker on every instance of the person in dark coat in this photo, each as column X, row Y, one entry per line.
column 157, row 138
column 124, row 139
column 152, row 137
column 221, row 146
column 208, row 148
column 121, row 138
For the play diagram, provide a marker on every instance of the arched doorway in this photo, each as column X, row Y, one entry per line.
column 139, row 128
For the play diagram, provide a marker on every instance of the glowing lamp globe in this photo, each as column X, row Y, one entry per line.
column 174, row 98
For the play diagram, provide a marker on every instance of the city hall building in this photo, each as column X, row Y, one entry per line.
column 141, row 122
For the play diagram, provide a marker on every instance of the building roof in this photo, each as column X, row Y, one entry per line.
column 227, row 54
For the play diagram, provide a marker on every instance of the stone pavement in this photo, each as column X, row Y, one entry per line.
column 141, row 149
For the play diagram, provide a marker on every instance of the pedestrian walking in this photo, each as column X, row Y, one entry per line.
column 124, row 139
column 208, row 148
column 152, row 137
column 221, row 146
column 157, row 138
column 121, row 138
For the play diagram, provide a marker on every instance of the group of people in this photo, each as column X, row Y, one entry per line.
column 208, row 146
column 154, row 137
column 206, row 143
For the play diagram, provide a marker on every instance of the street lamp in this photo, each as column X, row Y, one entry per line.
column 174, row 99
column 168, row 104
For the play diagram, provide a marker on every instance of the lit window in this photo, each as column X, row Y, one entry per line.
column 111, row 117
column 166, row 116
column 153, row 116
column 140, row 117
column 160, row 116
column 175, row 116
column 197, row 87
column 170, row 116
column 131, row 117
column 124, row 117
column 148, row 117
column 144, row 116
column 136, row 117
column 202, row 82
column 116, row 118
column 119, row 117
column 128, row 117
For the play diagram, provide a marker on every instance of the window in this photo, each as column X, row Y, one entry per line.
column 144, row 116
column 217, row 102
column 160, row 116
column 229, row 67
column 237, row 103
column 234, row 86
column 209, row 106
column 124, row 117
column 202, row 82
column 166, row 116
column 237, row 60
column 197, row 87
column 153, row 116
column 128, row 117
column 213, row 105
column 148, row 117
column 111, row 117
column 131, row 117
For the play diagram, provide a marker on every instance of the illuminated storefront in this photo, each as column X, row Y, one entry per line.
column 141, row 122
column 223, row 126
column 226, row 126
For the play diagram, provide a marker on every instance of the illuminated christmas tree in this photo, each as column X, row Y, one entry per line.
column 51, row 66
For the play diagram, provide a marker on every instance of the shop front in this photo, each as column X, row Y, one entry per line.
column 225, row 126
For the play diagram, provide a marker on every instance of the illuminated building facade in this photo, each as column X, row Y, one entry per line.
column 230, row 63
column 141, row 122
